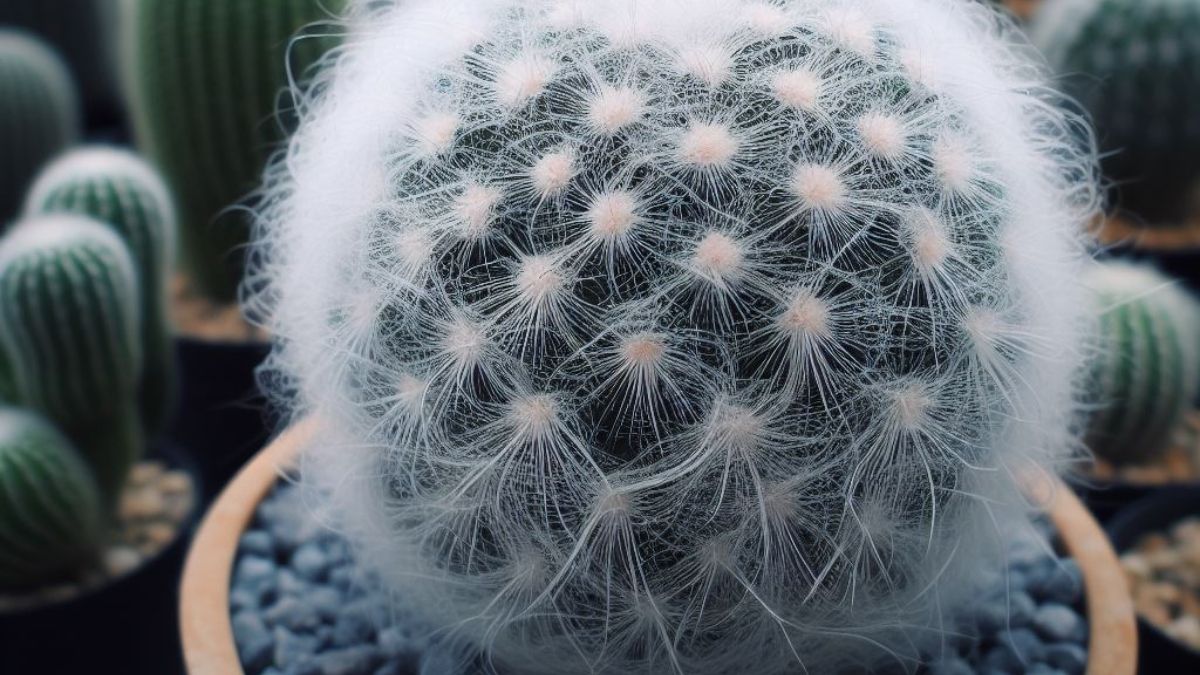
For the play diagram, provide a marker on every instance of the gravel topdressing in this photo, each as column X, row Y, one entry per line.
column 300, row 607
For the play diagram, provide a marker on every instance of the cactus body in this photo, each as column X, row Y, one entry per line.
column 84, row 32
column 50, row 509
column 1135, row 66
column 1145, row 378
column 39, row 114
column 69, row 303
column 206, row 80
column 691, row 336
column 118, row 189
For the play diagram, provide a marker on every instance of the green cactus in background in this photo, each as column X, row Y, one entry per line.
column 1145, row 378
column 84, row 32
column 39, row 114
column 206, row 79
column 69, row 333
column 50, row 507
column 119, row 189
column 1135, row 66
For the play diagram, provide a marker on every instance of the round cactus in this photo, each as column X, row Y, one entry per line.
column 39, row 116
column 1135, row 65
column 206, row 81
column 691, row 336
column 118, row 189
column 50, row 522
column 69, row 333
column 1147, row 374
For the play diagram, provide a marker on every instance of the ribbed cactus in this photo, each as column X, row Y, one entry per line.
column 50, row 509
column 1135, row 66
column 84, row 32
column 69, row 333
column 207, row 79
column 118, row 189
column 39, row 114
column 1147, row 373
column 697, row 336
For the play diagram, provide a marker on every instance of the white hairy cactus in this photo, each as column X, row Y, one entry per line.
column 699, row 336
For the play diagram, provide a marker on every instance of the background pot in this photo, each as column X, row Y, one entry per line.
column 125, row 627
column 210, row 649
column 1159, row 653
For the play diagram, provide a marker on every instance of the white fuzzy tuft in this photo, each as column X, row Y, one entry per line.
column 708, row 146
column 819, row 187
column 800, row 89
column 614, row 109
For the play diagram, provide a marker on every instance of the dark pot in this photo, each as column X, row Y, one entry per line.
column 127, row 627
column 1105, row 498
column 1158, row 653
column 222, row 414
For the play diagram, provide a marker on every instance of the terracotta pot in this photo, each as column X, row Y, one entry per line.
column 208, row 641
column 1023, row 9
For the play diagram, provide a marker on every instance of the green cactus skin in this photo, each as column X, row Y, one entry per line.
column 1135, row 66
column 119, row 189
column 39, row 114
column 84, row 32
column 206, row 79
column 1146, row 377
column 50, row 510
column 69, row 330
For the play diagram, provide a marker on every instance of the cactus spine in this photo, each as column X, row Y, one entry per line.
column 1146, row 376
column 69, row 331
column 693, row 336
column 118, row 189
column 1135, row 67
column 39, row 114
column 206, row 81
column 50, row 507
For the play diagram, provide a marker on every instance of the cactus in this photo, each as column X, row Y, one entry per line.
column 118, row 189
column 206, row 81
column 1147, row 374
column 50, row 522
column 693, row 336
column 1135, row 65
column 69, row 333
column 84, row 32
column 39, row 115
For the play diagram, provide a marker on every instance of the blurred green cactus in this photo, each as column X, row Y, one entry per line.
column 120, row 190
column 206, row 79
column 1146, row 376
column 69, row 332
column 39, row 114
column 50, row 507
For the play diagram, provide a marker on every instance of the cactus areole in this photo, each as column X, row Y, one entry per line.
column 674, row 336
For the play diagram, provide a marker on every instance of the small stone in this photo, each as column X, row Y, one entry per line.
column 291, row 649
column 1042, row 669
column 393, row 668
column 327, row 601
column 145, row 473
column 159, row 534
column 177, row 509
column 121, row 560
column 240, row 598
column 175, row 484
column 258, row 543
column 290, row 584
column 253, row 571
column 294, row 614
column 1068, row 657
column 997, row 615
column 1004, row 658
column 342, row 578
column 1059, row 623
column 1063, row 584
column 351, row 630
column 398, row 641
column 1024, row 643
column 310, row 562
column 255, row 644
column 350, row 661
column 1186, row 629
column 442, row 661
column 142, row 504
column 951, row 666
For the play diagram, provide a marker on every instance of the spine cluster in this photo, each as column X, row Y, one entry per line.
column 687, row 337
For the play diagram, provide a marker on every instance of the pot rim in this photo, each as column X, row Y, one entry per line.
column 207, row 629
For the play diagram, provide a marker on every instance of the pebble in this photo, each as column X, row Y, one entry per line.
column 1164, row 572
column 1059, row 623
column 258, row 543
column 310, row 562
column 121, row 560
column 350, row 661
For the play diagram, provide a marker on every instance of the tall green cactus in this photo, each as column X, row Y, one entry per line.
column 69, row 332
column 50, row 513
column 1145, row 378
column 206, row 79
column 39, row 114
column 119, row 189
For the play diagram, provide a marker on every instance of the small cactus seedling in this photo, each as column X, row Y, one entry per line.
column 69, row 334
column 206, row 81
column 50, row 507
column 696, row 336
column 1147, row 374
column 39, row 114
column 1135, row 66
column 118, row 189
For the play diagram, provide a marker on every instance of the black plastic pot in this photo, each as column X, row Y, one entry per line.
column 127, row 627
column 1157, row 652
column 222, row 414
column 1105, row 499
